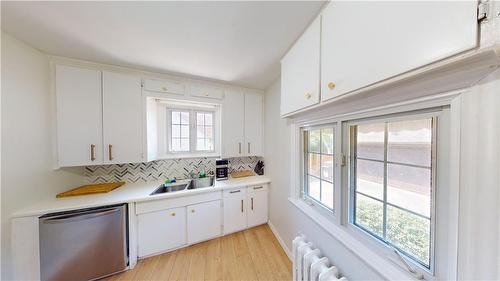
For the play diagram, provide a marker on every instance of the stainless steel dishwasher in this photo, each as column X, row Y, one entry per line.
column 83, row 245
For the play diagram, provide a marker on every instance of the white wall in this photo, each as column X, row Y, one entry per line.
column 286, row 218
column 26, row 166
column 479, row 229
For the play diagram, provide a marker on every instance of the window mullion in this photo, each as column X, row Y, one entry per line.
column 386, row 137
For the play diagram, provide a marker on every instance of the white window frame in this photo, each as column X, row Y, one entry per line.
column 304, row 186
column 386, row 263
column 165, row 107
column 405, row 116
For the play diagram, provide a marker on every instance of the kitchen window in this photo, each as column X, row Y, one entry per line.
column 188, row 130
column 319, row 163
column 391, row 176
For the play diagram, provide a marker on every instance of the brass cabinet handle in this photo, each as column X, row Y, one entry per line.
column 239, row 144
column 242, row 206
column 110, row 152
column 235, row 191
column 248, row 148
column 331, row 85
column 307, row 95
column 252, row 203
column 173, row 214
column 92, row 152
column 258, row 187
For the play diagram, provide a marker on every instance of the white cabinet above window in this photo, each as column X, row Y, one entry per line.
column 392, row 38
column 164, row 86
column 207, row 92
column 300, row 72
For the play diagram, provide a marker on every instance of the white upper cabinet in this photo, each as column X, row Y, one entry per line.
column 366, row 42
column 232, row 124
column 253, row 124
column 242, row 117
column 164, row 86
column 300, row 71
column 207, row 92
column 79, row 116
column 122, row 118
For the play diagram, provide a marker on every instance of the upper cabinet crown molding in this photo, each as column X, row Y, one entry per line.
column 415, row 49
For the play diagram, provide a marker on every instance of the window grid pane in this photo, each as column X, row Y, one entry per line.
column 179, row 131
column 393, row 202
column 204, row 132
column 319, row 165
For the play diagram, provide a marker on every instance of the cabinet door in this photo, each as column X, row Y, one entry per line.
column 122, row 118
column 79, row 116
column 253, row 125
column 235, row 216
column 258, row 210
column 367, row 42
column 161, row 231
column 207, row 92
column 164, row 86
column 204, row 221
column 300, row 71
column 232, row 124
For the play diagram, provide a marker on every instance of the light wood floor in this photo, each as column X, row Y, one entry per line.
column 252, row 254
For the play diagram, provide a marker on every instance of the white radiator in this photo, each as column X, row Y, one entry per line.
column 310, row 265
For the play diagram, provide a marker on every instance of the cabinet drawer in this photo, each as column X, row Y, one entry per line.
column 164, row 86
column 207, row 92
column 156, row 205
column 257, row 188
column 237, row 192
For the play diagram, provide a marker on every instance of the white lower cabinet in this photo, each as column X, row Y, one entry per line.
column 235, row 216
column 204, row 221
column 160, row 231
column 244, row 208
column 258, row 210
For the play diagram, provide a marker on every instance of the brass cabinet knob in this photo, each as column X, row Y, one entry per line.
column 307, row 95
column 164, row 89
column 173, row 214
column 331, row 85
column 192, row 211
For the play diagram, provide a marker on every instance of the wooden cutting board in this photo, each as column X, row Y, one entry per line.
column 241, row 174
column 91, row 189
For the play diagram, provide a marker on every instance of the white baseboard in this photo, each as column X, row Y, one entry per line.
column 280, row 240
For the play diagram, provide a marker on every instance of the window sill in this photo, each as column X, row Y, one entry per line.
column 386, row 266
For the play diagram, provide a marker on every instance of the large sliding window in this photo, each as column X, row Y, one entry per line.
column 391, row 176
column 319, row 163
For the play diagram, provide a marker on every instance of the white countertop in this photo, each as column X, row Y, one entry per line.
column 128, row 193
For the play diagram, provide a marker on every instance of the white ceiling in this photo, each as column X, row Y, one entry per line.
column 236, row 42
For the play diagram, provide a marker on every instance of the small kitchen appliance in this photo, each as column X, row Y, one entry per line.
column 221, row 169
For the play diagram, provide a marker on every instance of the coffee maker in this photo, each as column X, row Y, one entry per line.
column 221, row 169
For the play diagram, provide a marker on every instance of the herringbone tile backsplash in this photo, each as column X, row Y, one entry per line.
column 162, row 169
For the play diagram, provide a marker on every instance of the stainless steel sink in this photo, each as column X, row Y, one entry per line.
column 165, row 188
column 184, row 185
column 201, row 182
